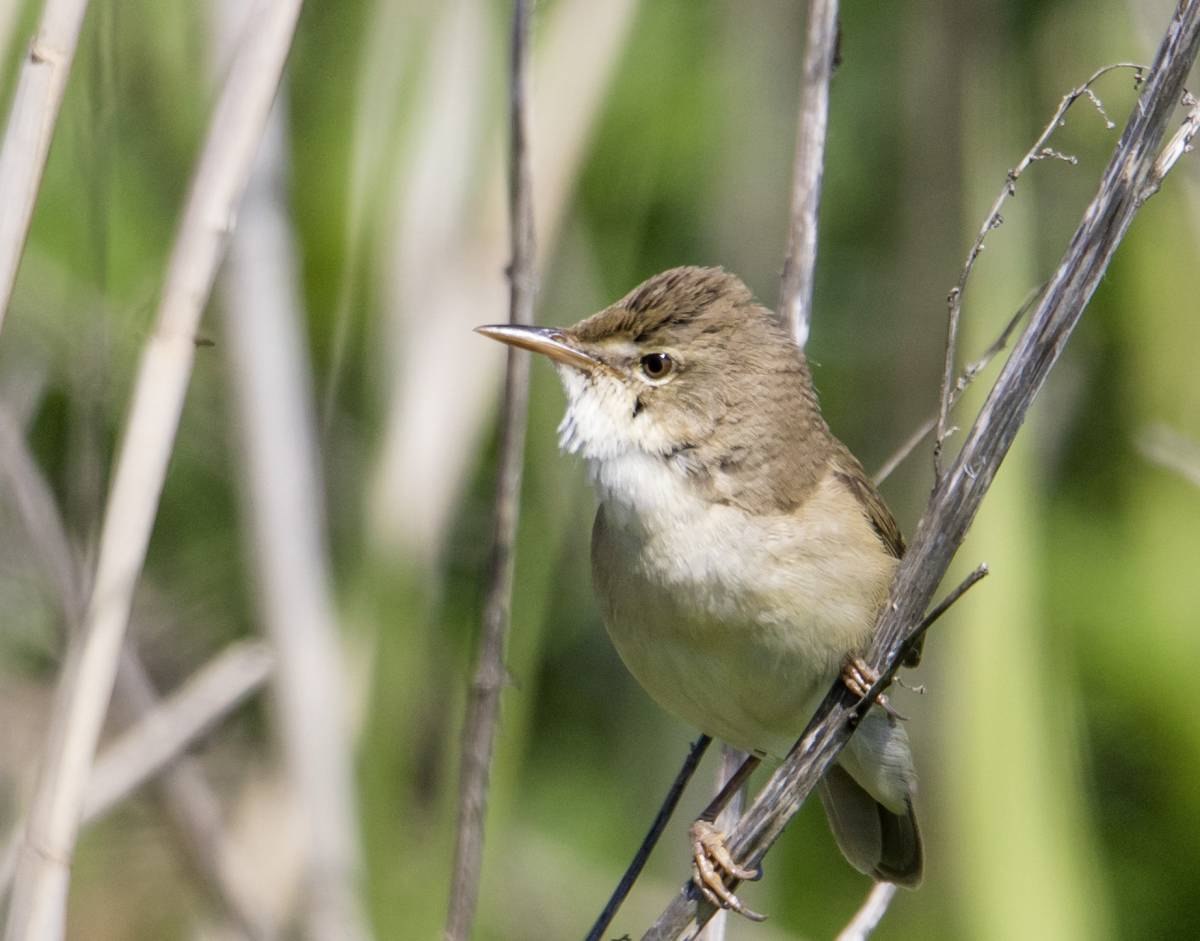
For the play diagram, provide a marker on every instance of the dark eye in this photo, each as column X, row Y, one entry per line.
column 657, row 365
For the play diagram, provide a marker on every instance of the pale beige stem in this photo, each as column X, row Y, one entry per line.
column 187, row 798
column 31, row 128
column 870, row 914
column 800, row 263
column 1167, row 448
column 165, row 731
column 85, row 685
column 731, row 762
column 446, row 252
column 283, row 508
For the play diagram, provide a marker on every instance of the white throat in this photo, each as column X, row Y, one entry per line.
column 626, row 454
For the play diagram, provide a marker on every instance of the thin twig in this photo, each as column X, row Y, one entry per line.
column 965, row 378
column 31, row 128
column 796, row 288
column 483, row 701
column 868, row 917
column 650, row 840
column 43, row 873
column 283, row 506
column 913, row 639
column 958, row 494
column 1179, row 144
column 993, row 220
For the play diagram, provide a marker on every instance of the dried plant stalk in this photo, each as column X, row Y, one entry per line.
column 43, row 872
column 483, row 701
column 800, row 264
column 285, row 513
column 188, row 799
column 31, row 128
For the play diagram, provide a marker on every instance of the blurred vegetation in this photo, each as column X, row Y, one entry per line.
column 1057, row 752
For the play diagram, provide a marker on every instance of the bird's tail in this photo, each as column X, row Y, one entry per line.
column 868, row 799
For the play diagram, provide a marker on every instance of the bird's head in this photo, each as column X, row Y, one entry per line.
column 685, row 357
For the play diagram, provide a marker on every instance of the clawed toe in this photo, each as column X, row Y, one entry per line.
column 859, row 677
column 711, row 863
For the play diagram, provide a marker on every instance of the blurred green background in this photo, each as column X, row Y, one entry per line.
column 1058, row 751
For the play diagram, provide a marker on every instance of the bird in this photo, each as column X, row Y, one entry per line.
column 740, row 553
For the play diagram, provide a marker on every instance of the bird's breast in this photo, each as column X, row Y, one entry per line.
column 735, row 622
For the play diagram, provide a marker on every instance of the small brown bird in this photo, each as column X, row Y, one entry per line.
column 740, row 553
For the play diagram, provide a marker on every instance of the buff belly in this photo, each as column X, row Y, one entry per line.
column 736, row 625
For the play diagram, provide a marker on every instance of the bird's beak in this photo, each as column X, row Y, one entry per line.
column 551, row 341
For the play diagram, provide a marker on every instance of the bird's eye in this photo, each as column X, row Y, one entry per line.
column 657, row 365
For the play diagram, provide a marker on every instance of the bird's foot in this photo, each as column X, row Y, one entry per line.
column 860, row 678
column 711, row 863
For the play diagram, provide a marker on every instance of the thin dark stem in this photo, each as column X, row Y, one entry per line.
column 820, row 45
column 914, row 638
column 730, row 788
column 483, row 701
column 650, row 840
column 957, row 495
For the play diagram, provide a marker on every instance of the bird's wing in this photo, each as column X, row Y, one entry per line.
column 850, row 472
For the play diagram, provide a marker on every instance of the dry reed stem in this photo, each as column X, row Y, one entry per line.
column 165, row 731
column 868, row 917
column 189, row 802
column 731, row 762
column 800, row 263
column 284, row 512
column 30, row 130
column 173, row 724
column 219, row 862
column 85, row 686
column 435, row 281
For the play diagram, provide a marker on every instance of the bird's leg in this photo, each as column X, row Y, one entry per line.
column 712, row 862
column 860, row 677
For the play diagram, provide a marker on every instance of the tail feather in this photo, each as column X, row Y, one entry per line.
column 874, row 840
